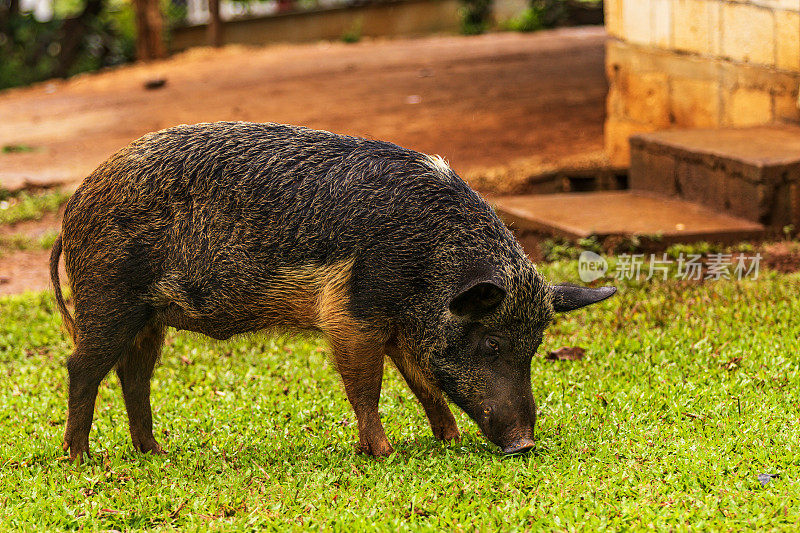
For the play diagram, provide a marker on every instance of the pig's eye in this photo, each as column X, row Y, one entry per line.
column 492, row 345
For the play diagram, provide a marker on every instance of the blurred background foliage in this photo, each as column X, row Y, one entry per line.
column 476, row 15
column 80, row 36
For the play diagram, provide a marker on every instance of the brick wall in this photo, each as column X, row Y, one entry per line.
column 699, row 64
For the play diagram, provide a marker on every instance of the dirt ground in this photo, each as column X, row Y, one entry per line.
column 480, row 102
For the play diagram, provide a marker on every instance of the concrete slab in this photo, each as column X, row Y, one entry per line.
column 752, row 173
column 757, row 146
column 622, row 213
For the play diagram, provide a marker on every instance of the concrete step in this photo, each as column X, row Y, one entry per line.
column 752, row 173
column 622, row 213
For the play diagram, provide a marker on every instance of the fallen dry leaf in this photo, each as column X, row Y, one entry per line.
column 766, row 478
column 567, row 353
column 155, row 83
column 733, row 364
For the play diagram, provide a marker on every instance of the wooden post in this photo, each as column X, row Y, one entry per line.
column 149, row 30
column 214, row 24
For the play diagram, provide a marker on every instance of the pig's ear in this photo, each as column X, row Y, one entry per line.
column 478, row 299
column 567, row 297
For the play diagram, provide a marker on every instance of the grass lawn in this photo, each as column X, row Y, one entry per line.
column 25, row 206
column 688, row 392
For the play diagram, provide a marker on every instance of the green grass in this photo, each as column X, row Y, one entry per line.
column 658, row 427
column 15, row 242
column 17, row 148
column 26, row 206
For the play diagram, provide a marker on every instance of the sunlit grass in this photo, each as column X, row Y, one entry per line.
column 31, row 206
column 14, row 242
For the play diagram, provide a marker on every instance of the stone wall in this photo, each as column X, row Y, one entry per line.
column 699, row 64
column 389, row 18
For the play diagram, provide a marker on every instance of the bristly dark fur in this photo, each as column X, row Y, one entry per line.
column 219, row 209
column 232, row 227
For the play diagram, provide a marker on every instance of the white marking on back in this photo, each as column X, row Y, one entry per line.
column 439, row 163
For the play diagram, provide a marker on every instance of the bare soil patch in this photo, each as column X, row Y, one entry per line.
column 782, row 256
column 26, row 271
column 478, row 101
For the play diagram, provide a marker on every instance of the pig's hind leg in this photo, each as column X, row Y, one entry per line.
column 134, row 369
column 105, row 330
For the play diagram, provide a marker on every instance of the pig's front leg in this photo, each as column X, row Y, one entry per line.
column 438, row 412
column 360, row 364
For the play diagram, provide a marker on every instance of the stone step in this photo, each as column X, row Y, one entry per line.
column 622, row 213
column 752, row 173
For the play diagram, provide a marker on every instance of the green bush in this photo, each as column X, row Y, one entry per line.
column 475, row 16
column 527, row 21
column 353, row 34
column 542, row 14
column 33, row 50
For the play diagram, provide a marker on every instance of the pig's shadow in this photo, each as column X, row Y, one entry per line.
column 414, row 449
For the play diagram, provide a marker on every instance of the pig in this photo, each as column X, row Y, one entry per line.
column 233, row 227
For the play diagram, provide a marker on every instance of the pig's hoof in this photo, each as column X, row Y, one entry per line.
column 447, row 433
column 76, row 449
column 150, row 446
column 378, row 449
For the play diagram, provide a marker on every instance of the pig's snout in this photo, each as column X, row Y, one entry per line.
column 521, row 445
column 510, row 428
